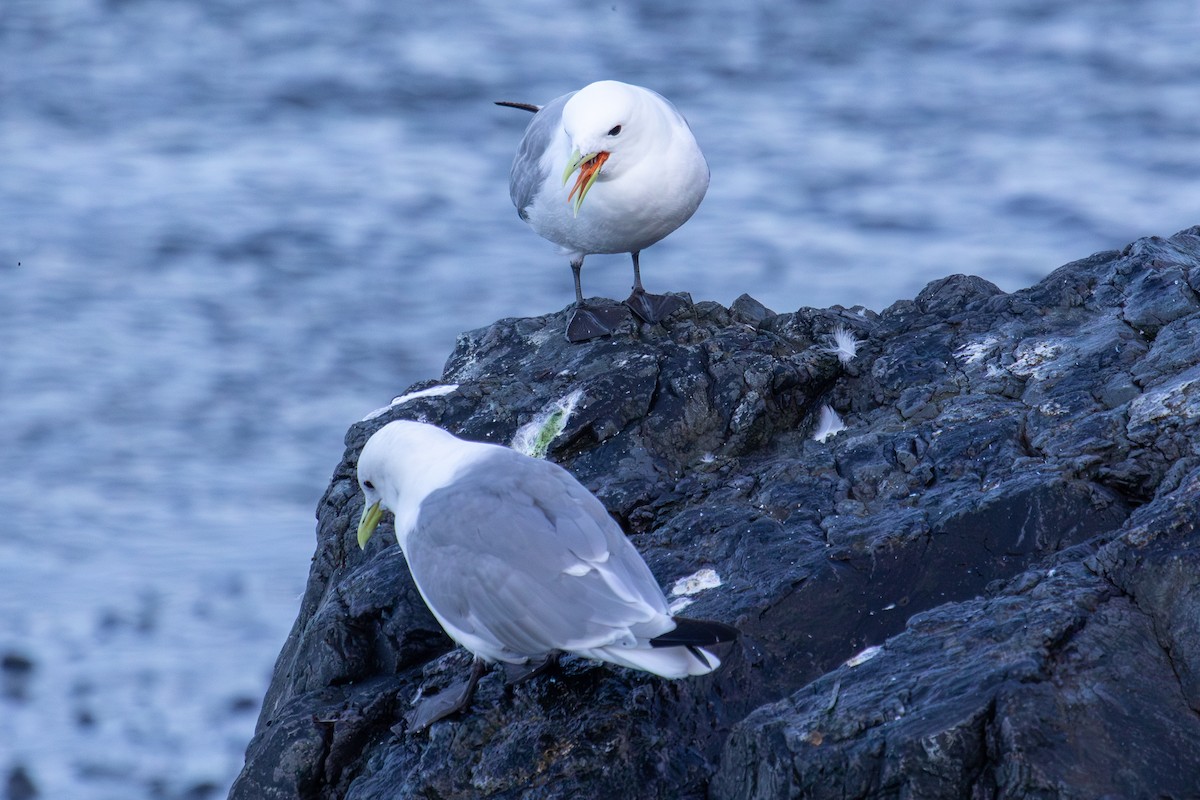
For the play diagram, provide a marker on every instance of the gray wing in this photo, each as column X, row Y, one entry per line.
column 518, row 553
column 528, row 173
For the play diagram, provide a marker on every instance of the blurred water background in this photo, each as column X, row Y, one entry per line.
column 231, row 228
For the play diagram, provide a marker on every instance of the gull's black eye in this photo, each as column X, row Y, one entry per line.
column 368, row 485
column 615, row 130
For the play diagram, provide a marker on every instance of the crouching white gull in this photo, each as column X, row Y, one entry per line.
column 637, row 163
column 518, row 561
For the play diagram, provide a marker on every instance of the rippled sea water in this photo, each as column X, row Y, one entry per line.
column 229, row 229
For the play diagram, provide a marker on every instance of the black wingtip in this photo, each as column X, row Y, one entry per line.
column 530, row 107
column 692, row 633
column 700, row 656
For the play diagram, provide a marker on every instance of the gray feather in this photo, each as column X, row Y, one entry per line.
column 491, row 553
column 528, row 173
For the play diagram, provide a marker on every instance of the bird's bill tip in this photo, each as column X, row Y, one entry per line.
column 572, row 164
column 370, row 520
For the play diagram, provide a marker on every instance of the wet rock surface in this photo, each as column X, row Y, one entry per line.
column 985, row 586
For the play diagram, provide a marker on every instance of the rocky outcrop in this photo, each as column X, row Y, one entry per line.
column 985, row 586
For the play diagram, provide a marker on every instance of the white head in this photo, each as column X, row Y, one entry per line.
column 605, row 122
column 400, row 465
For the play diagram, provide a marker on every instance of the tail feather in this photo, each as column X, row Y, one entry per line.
column 677, row 653
column 678, row 662
column 523, row 106
column 693, row 633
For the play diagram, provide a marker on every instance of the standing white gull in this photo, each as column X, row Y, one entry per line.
column 638, row 166
column 518, row 561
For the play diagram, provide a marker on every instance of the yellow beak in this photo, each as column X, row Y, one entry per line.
column 370, row 520
column 589, row 170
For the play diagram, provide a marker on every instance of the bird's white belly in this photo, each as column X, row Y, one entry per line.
column 625, row 214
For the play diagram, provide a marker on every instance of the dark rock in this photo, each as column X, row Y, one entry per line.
column 983, row 587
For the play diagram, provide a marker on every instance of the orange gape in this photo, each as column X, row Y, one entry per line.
column 588, row 171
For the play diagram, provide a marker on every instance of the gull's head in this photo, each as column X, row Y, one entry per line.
column 603, row 123
column 376, row 479
column 387, row 470
column 399, row 466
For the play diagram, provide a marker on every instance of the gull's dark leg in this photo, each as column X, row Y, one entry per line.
column 588, row 322
column 651, row 308
column 637, row 273
column 576, row 269
column 431, row 709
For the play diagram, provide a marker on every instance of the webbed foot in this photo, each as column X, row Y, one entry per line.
column 590, row 322
column 516, row 674
column 445, row 703
column 653, row 308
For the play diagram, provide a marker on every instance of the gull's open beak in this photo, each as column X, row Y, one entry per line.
column 370, row 520
column 589, row 170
